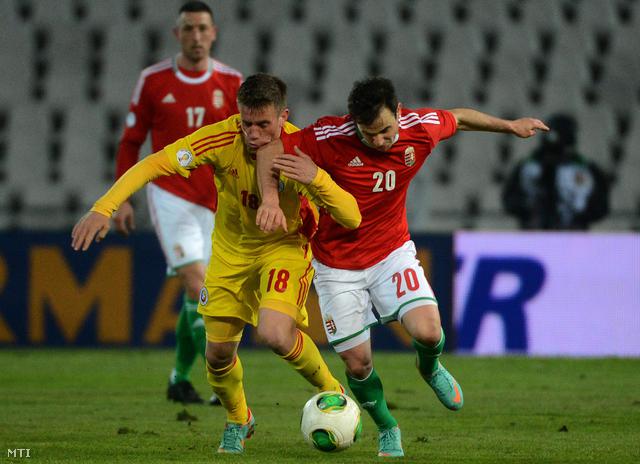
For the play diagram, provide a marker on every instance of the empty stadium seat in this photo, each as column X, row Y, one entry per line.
column 124, row 58
column 68, row 56
column 16, row 50
column 506, row 57
column 83, row 163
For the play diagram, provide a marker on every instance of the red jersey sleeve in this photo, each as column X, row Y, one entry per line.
column 305, row 140
column 137, row 125
column 440, row 124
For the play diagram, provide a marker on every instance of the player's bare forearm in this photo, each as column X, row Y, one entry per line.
column 267, row 178
column 472, row 120
column 269, row 216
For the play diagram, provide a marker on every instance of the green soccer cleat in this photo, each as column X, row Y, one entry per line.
column 446, row 388
column 390, row 443
column 235, row 434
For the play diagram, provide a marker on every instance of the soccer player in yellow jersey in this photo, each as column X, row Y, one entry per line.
column 256, row 278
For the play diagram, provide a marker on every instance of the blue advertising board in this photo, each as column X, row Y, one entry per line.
column 117, row 294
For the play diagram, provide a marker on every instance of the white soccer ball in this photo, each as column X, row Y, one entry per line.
column 331, row 421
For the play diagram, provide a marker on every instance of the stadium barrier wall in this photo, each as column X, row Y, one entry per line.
column 547, row 294
column 116, row 294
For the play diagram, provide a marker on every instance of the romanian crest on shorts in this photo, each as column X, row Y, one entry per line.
column 330, row 325
column 410, row 156
column 204, row 296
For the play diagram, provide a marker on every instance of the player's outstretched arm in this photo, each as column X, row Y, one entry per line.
column 95, row 224
column 472, row 120
column 340, row 204
column 269, row 216
column 90, row 226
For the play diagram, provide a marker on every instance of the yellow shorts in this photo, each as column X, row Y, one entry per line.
column 223, row 329
column 236, row 286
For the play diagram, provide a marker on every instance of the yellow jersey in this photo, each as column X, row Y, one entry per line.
column 221, row 145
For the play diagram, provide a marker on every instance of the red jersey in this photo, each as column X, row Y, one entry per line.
column 172, row 103
column 378, row 180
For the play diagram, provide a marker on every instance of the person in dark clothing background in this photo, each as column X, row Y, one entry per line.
column 555, row 187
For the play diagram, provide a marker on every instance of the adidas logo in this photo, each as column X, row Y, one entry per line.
column 355, row 162
column 169, row 98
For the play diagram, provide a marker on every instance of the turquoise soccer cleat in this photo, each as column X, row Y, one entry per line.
column 390, row 443
column 446, row 388
column 235, row 434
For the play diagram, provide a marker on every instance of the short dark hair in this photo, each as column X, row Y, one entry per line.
column 260, row 90
column 369, row 96
column 196, row 7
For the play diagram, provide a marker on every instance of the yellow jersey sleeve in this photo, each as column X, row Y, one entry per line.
column 208, row 145
column 144, row 171
column 341, row 205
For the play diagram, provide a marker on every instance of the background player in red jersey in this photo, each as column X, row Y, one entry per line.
column 172, row 99
column 374, row 153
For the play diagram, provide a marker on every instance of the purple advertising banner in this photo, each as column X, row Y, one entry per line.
column 547, row 294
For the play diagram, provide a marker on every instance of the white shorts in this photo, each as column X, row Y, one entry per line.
column 183, row 228
column 393, row 286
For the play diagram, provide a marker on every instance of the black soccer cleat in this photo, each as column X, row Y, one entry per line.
column 183, row 392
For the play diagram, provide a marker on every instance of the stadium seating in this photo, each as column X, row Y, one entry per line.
column 72, row 73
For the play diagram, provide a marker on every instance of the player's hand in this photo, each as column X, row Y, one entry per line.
column 300, row 168
column 90, row 226
column 124, row 219
column 270, row 218
column 527, row 127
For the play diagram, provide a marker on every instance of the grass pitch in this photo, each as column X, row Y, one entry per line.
column 108, row 406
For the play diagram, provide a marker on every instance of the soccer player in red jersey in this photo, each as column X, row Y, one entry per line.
column 374, row 153
column 172, row 99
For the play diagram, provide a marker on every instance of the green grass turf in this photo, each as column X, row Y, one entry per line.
column 108, row 406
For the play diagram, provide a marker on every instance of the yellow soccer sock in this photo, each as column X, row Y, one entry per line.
column 305, row 358
column 227, row 384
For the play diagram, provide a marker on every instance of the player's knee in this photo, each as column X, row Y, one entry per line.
column 218, row 355
column 192, row 278
column 277, row 339
column 192, row 288
column 428, row 333
column 359, row 367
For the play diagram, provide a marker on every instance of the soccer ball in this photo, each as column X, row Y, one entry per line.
column 331, row 421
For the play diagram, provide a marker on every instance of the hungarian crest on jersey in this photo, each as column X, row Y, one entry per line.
column 410, row 156
column 217, row 98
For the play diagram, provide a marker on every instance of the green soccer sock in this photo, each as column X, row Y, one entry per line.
column 370, row 395
column 186, row 350
column 198, row 332
column 427, row 356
